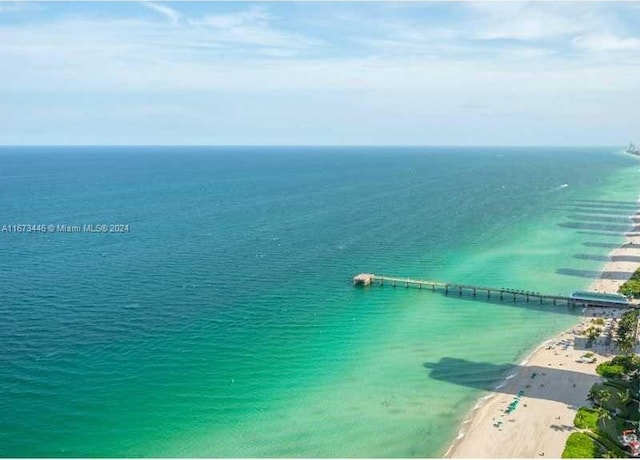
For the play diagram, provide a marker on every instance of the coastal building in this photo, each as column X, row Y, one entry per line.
column 363, row 279
column 599, row 299
column 633, row 149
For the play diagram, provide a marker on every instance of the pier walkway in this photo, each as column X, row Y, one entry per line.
column 365, row 279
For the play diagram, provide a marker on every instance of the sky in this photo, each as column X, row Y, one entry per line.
column 319, row 73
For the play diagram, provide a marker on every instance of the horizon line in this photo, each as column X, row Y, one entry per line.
column 324, row 145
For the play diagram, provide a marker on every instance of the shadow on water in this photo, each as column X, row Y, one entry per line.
column 591, row 257
column 617, row 228
column 609, row 234
column 626, row 207
column 520, row 301
column 597, row 244
column 626, row 204
column 612, row 275
column 622, row 258
column 596, row 218
column 596, row 212
column 484, row 376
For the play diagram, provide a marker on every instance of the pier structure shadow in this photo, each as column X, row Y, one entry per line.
column 509, row 297
column 560, row 307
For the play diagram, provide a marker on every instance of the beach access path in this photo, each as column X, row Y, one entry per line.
column 553, row 384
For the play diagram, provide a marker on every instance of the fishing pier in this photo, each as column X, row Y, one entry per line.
column 585, row 299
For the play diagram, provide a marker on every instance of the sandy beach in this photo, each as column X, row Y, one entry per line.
column 552, row 384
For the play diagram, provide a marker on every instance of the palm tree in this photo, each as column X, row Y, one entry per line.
column 603, row 416
column 635, row 381
column 628, row 331
column 599, row 396
column 625, row 397
column 626, row 344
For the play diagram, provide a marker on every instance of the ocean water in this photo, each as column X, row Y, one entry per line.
column 224, row 322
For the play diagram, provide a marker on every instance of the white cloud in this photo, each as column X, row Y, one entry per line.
column 584, row 27
column 533, row 35
column 18, row 6
column 124, row 52
column 240, row 68
column 254, row 16
column 243, row 51
column 253, row 26
column 528, row 21
column 606, row 42
column 169, row 13
column 248, row 27
column 10, row 7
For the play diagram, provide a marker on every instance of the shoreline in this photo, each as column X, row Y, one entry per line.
column 549, row 382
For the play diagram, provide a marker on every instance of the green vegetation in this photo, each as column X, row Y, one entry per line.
column 615, row 408
column 625, row 397
column 627, row 331
column 586, row 418
column 632, row 286
column 610, row 370
column 615, row 400
column 613, row 450
column 579, row 445
column 619, row 366
column 599, row 395
column 598, row 321
column 593, row 333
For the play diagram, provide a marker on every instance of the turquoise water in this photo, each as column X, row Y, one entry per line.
column 224, row 322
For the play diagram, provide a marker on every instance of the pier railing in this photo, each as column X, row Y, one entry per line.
column 366, row 279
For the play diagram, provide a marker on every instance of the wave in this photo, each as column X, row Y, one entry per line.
column 481, row 401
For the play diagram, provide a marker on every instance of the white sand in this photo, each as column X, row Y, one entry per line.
column 543, row 419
